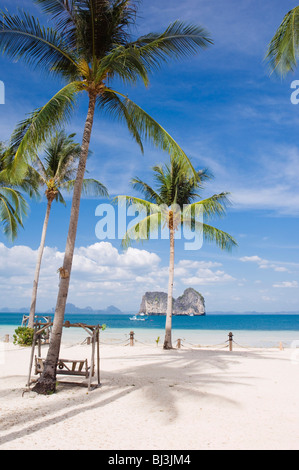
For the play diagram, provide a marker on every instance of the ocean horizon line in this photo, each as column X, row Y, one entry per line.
column 131, row 312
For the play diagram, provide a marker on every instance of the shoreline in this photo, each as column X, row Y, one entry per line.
column 209, row 338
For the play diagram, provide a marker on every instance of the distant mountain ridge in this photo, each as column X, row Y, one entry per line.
column 112, row 310
column 70, row 309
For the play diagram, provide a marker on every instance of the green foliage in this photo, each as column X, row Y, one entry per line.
column 13, row 206
column 56, row 171
column 90, row 44
column 172, row 202
column 104, row 326
column 23, row 336
column 283, row 50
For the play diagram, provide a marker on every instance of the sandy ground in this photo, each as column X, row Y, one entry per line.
column 157, row 400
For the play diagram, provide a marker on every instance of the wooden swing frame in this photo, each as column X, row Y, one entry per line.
column 70, row 367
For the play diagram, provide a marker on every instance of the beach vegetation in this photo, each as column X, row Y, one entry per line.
column 283, row 50
column 55, row 174
column 89, row 46
column 23, row 336
column 175, row 200
column 13, row 205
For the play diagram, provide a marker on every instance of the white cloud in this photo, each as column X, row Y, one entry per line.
column 98, row 272
column 101, row 276
column 264, row 263
column 286, row 284
column 207, row 276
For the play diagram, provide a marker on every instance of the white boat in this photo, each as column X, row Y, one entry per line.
column 135, row 318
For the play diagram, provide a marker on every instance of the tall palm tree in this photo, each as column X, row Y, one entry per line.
column 283, row 50
column 56, row 174
column 13, row 206
column 89, row 45
column 171, row 203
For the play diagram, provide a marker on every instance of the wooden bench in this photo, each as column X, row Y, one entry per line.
column 66, row 367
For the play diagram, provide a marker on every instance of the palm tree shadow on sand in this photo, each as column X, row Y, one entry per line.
column 163, row 384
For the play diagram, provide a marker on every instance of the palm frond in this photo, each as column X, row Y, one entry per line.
column 138, row 202
column 61, row 156
column 142, row 231
column 111, row 103
column 125, row 63
column 150, row 130
column 102, row 24
column 59, row 198
column 222, row 239
column 90, row 187
column 283, row 49
column 13, row 207
column 213, row 206
column 23, row 37
column 170, row 200
column 31, row 133
column 179, row 40
column 27, row 182
column 211, row 234
column 146, row 190
column 63, row 12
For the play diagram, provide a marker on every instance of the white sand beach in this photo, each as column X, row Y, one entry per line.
column 157, row 400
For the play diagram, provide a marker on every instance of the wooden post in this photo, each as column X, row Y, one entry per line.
column 131, row 338
column 92, row 360
column 98, row 355
column 230, row 341
column 179, row 343
column 6, row 339
column 32, row 356
column 39, row 344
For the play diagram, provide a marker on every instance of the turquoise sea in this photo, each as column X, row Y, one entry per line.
column 210, row 330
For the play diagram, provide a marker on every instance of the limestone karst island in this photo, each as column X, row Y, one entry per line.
column 190, row 303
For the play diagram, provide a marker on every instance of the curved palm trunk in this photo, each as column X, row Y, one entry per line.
column 47, row 382
column 168, row 326
column 38, row 266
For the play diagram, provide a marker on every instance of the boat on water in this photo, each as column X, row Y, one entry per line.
column 141, row 317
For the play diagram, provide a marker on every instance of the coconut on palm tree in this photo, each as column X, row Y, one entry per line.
column 171, row 203
column 283, row 50
column 56, row 174
column 89, row 45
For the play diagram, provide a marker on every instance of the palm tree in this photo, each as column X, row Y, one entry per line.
column 283, row 49
column 56, row 174
column 172, row 204
column 13, row 206
column 89, row 45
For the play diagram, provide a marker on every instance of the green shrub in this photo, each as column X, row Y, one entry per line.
column 23, row 336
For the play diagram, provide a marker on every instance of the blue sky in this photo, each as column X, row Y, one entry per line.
column 229, row 115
